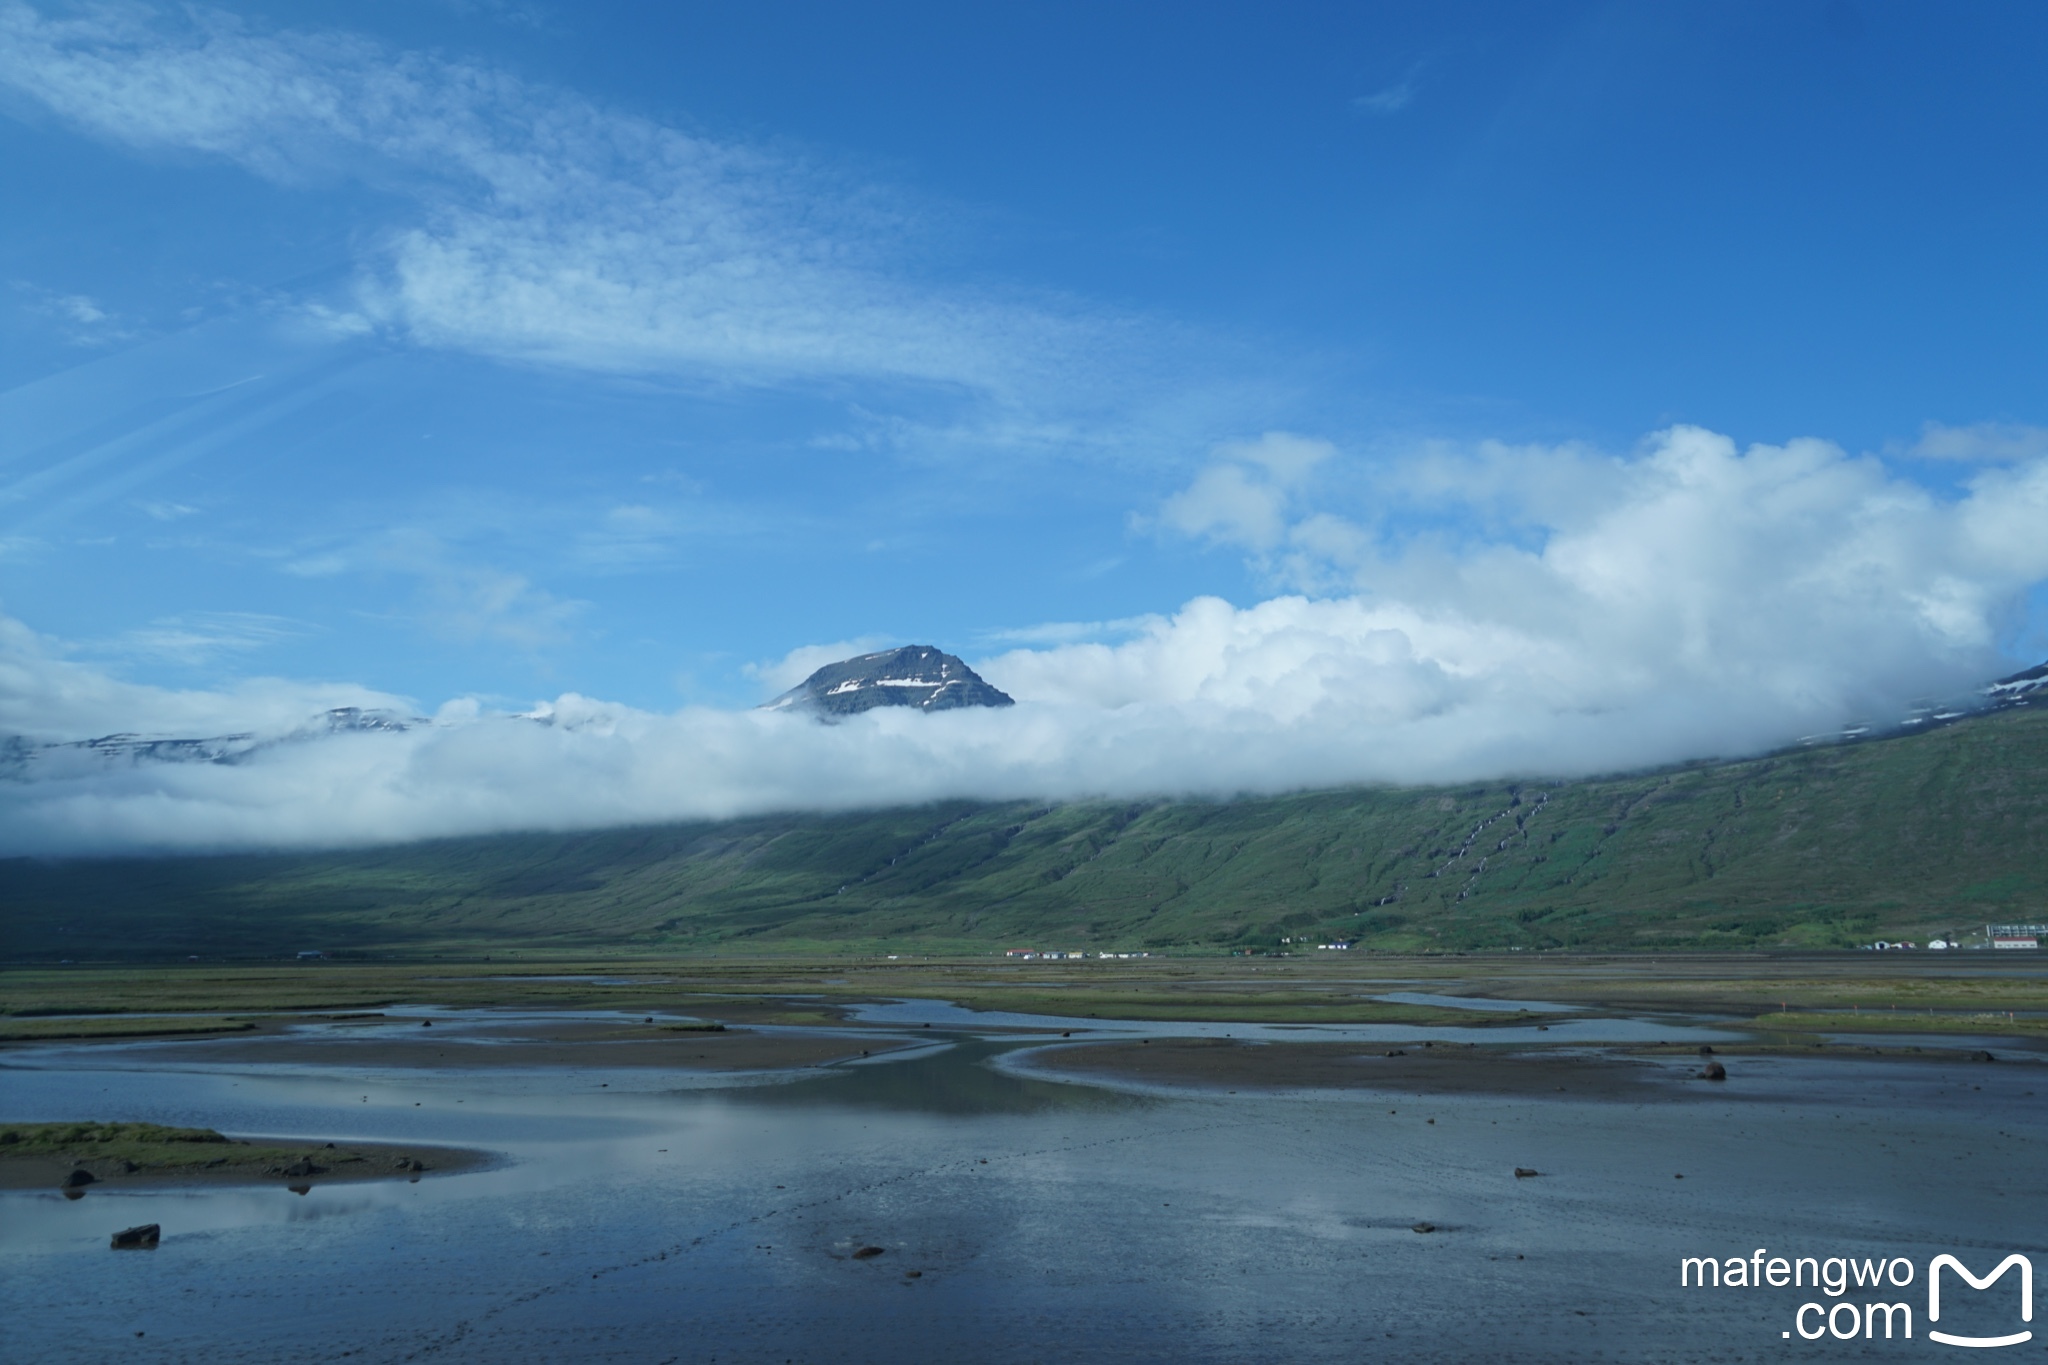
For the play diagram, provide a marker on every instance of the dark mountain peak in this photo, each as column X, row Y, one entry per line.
column 2021, row 688
column 915, row 675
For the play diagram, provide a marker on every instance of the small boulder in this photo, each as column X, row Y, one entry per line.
column 1706, row 1051
column 1423, row 1227
column 1982, row 1057
column 866, row 1253
column 1524, row 1172
column 76, row 1177
column 304, row 1167
column 1713, row 1071
column 142, row 1238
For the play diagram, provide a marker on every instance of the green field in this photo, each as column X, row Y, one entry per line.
column 1824, row 847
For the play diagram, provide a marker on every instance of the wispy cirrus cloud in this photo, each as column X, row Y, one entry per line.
column 1390, row 99
column 547, row 228
column 198, row 637
column 79, row 319
column 455, row 597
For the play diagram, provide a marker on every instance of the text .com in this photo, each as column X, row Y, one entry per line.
column 1875, row 1309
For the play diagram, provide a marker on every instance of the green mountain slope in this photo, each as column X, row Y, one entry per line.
column 1902, row 837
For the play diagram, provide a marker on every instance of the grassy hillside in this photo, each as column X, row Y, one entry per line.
column 1821, row 847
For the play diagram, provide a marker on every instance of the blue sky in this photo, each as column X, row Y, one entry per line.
column 653, row 352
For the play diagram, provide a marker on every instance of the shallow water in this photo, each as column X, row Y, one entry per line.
column 1475, row 1002
column 1050, row 1221
column 916, row 1013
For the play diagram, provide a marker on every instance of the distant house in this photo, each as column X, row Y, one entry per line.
column 2016, row 935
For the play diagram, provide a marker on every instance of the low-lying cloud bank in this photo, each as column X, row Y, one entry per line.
column 1689, row 602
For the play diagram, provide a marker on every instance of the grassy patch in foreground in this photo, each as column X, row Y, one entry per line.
column 109, row 1027
column 146, row 1145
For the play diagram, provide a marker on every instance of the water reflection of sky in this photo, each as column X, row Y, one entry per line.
column 650, row 1223
column 944, row 1014
column 1475, row 1002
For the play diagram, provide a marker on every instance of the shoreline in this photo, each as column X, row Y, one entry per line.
column 258, row 1161
column 480, row 1042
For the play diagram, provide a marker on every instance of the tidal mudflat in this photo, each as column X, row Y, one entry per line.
column 981, row 1188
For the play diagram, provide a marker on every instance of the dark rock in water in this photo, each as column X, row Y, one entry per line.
column 1423, row 1227
column 866, row 1253
column 142, row 1238
column 1713, row 1071
column 1982, row 1057
column 913, row 1274
column 1524, row 1172
column 76, row 1177
column 300, row 1189
column 304, row 1167
column 1397, row 1053
column 915, row 675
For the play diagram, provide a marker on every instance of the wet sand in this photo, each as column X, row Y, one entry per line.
column 1215, row 1063
column 1636, row 1074
column 250, row 1162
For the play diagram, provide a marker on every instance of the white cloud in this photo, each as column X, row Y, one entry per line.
column 549, row 229
column 1980, row 441
column 779, row 675
column 1694, row 600
column 1244, row 496
column 47, row 696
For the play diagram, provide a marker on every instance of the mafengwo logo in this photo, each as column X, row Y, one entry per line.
column 1850, row 1316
